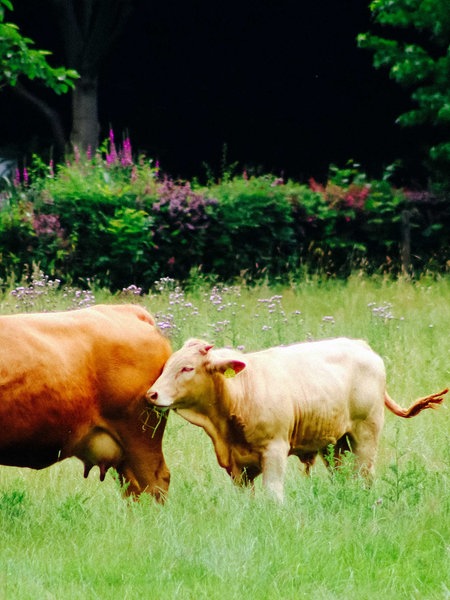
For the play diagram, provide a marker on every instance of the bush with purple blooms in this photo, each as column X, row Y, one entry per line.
column 182, row 228
column 116, row 219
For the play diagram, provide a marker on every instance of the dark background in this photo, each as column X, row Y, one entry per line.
column 279, row 84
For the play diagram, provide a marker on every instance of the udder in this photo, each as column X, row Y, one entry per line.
column 99, row 448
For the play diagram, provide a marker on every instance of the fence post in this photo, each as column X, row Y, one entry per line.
column 406, row 243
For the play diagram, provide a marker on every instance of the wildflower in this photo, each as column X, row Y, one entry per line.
column 126, row 158
column 132, row 290
column 83, row 299
column 47, row 225
column 315, row 186
column 382, row 312
column 111, row 158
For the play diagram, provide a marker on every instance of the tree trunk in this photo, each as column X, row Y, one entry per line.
column 85, row 123
column 89, row 29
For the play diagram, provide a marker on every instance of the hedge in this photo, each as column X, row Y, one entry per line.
column 121, row 222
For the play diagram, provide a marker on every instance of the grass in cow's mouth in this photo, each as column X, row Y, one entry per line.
column 147, row 415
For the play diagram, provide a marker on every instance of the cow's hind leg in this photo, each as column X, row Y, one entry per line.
column 364, row 447
column 333, row 455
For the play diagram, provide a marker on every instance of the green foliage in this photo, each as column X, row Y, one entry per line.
column 421, row 62
column 17, row 236
column 18, row 58
column 12, row 504
column 253, row 234
column 118, row 221
column 130, row 243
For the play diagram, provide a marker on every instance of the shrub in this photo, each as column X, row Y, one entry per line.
column 252, row 233
column 17, row 235
column 182, row 228
column 102, row 207
column 115, row 220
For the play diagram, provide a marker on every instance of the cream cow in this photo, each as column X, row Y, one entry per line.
column 259, row 408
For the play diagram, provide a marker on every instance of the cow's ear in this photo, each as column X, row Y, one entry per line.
column 229, row 367
column 203, row 347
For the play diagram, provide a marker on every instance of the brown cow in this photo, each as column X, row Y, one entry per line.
column 73, row 384
column 260, row 407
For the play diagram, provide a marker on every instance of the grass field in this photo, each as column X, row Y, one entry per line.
column 64, row 537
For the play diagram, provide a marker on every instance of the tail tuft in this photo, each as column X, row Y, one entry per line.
column 431, row 401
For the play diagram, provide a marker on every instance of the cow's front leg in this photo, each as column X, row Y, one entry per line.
column 274, row 461
column 143, row 468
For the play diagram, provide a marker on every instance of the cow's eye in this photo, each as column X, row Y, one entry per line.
column 187, row 369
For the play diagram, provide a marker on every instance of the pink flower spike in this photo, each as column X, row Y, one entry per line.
column 16, row 177
column 126, row 155
column 112, row 157
column 25, row 176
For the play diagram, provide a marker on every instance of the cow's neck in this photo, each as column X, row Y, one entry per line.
column 219, row 420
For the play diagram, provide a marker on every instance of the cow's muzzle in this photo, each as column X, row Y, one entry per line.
column 155, row 401
column 152, row 396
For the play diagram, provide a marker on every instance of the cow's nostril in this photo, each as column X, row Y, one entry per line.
column 152, row 395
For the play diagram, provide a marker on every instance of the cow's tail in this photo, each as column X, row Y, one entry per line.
column 418, row 406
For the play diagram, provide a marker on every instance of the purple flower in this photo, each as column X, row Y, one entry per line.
column 47, row 225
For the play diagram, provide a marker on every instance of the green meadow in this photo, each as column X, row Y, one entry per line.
column 332, row 539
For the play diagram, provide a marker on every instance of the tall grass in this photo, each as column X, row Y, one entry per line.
column 64, row 537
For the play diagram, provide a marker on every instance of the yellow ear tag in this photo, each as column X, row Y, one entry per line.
column 230, row 372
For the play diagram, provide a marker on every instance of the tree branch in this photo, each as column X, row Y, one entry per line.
column 50, row 114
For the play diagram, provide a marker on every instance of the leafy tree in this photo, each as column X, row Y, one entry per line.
column 88, row 30
column 420, row 60
column 19, row 59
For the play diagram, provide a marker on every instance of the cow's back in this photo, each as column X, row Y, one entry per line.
column 52, row 364
column 309, row 389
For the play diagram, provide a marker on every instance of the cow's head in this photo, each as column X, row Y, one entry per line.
column 187, row 380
